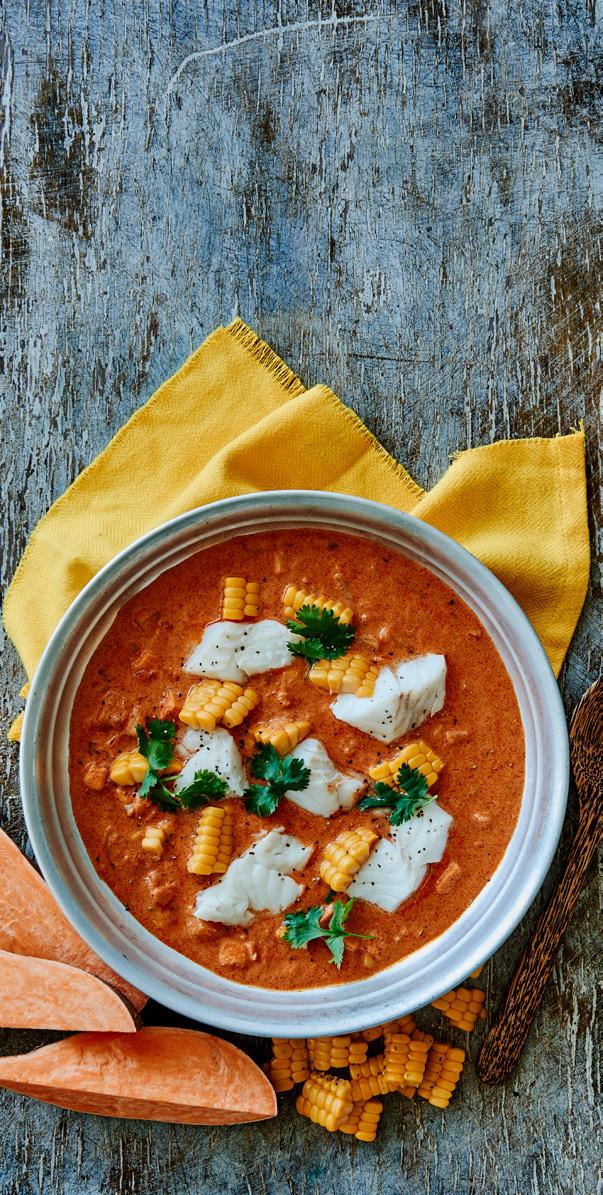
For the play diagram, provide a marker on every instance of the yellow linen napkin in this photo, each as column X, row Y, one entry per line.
column 234, row 420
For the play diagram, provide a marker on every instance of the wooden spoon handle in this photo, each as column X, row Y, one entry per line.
column 504, row 1043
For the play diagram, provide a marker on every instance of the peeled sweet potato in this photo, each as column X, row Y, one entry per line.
column 38, row 993
column 31, row 922
column 176, row 1075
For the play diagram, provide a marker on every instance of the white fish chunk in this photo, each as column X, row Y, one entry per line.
column 395, row 868
column 328, row 790
column 402, row 699
column 387, row 878
column 256, row 881
column 237, row 650
column 216, row 751
column 422, row 839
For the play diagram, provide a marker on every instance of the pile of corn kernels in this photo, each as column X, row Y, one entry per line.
column 409, row 1061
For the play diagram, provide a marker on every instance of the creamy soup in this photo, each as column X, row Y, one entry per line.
column 401, row 614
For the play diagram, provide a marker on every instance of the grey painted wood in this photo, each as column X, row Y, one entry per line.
column 400, row 197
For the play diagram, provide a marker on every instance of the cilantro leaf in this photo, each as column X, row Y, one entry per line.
column 304, row 926
column 325, row 637
column 156, row 742
column 405, row 801
column 261, row 800
column 206, row 786
column 281, row 775
column 159, row 794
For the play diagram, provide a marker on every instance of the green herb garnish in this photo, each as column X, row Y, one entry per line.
column 156, row 743
column 280, row 776
column 304, row 927
column 408, row 798
column 324, row 636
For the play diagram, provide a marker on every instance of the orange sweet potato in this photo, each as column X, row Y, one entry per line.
column 38, row 993
column 176, row 1075
column 31, row 922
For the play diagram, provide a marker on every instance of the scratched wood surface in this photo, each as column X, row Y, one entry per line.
column 400, row 197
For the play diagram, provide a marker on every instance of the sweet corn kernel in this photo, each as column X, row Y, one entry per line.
column 213, row 842
column 289, row 1064
column 294, row 599
column 442, row 1072
column 282, row 738
column 363, row 1120
column 405, row 1061
column 214, row 701
column 345, row 855
column 418, row 756
column 240, row 599
column 462, row 1006
column 325, row 1100
column 154, row 838
column 352, row 673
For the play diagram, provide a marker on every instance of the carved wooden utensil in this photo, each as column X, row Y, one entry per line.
column 505, row 1041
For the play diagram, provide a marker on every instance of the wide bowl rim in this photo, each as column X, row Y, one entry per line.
column 273, row 1012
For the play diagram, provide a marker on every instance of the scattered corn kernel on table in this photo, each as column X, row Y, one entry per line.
column 399, row 199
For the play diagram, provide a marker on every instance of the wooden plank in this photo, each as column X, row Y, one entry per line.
column 401, row 198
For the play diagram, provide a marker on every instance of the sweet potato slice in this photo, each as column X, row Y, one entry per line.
column 176, row 1075
column 31, row 922
column 38, row 993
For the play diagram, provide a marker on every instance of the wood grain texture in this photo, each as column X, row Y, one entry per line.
column 400, row 197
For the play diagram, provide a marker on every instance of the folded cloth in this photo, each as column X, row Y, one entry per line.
column 235, row 420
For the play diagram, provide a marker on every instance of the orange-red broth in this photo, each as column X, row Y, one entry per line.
column 400, row 610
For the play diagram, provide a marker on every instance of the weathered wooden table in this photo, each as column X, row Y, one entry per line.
column 401, row 197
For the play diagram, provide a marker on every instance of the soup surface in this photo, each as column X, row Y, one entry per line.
column 400, row 611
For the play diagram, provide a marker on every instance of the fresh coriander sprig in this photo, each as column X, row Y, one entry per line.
column 304, row 927
column 408, row 798
column 280, row 776
column 324, row 636
column 156, row 744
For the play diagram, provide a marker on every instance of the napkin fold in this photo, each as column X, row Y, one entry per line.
column 235, row 420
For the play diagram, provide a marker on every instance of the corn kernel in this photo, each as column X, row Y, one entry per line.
column 416, row 755
column 462, row 1006
column 363, row 1120
column 294, row 599
column 240, row 599
column 282, row 738
column 352, row 673
column 345, row 855
column 214, row 701
column 155, row 837
column 442, row 1073
column 213, row 842
column 325, row 1100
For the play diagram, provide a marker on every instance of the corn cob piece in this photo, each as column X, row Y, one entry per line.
column 442, row 1073
column 363, row 1120
column 405, row 1061
column 325, row 1100
column 294, row 599
column 154, row 838
column 367, row 1086
column 240, row 599
column 284, row 738
column 352, row 673
column 130, row 767
column 328, row 1053
column 417, row 1035
column 214, row 701
column 345, row 855
column 373, row 1034
column 289, row 1064
column 370, row 1066
column 462, row 1006
column 478, row 971
column 213, row 842
column 418, row 756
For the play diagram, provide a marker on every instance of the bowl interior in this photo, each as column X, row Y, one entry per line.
column 175, row 980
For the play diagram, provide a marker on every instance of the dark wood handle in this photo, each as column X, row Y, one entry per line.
column 505, row 1041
